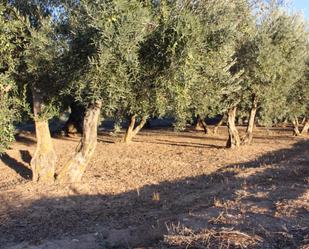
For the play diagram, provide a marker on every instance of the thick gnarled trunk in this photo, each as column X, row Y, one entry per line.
column 305, row 129
column 201, row 125
column 75, row 168
column 295, row 123
column 131, row 131
column 44, row 159
column 233, row 140
column 247, row 139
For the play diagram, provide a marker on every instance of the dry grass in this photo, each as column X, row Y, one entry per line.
column 182, row 237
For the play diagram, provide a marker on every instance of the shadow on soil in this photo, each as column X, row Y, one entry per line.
column 259, row 203
column 184, row 144
column 17, row 166
column 25, row 140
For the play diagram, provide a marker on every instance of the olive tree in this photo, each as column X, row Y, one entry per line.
column 37, row 71
column 165, row 65
column 109, row 39
column 168, row 58
column 276, row 47
column 217, row 85
column 297, row 104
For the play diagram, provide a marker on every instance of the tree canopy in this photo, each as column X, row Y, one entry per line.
column 131, row 60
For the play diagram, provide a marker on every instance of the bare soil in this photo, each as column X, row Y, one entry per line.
column 164, row 190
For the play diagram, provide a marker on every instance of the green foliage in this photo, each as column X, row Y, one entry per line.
column 184, row 58
column 109, row 43
column 39, row 64
column 8, row 115
column 39, row 50
column 152, row 58
column 273, row 60
column 297, row 99
column 9, row 46
column 29, row 52
column 219, row 86
column 166, row 58
column 203, row 82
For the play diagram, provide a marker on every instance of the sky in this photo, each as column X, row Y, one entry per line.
column 301, row 5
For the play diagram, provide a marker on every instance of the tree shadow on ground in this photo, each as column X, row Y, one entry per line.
column 276, row 157
column 25, row 156
column 182, row 143
column 263, row 198
column 25, row 140
column 206, row 137
column 17, row 166
column 277, row 137
column 172, row 138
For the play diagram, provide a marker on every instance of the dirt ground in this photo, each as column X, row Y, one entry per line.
column 164, row 190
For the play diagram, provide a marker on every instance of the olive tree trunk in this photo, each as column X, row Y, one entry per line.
column 76, row 166
column 131, row 131
column 306, row 127
column 201, row 125
column 303, row 122
column 295, row 123
column 234, row 139
column 215, row 130
column 247, row 139
column 44, row 159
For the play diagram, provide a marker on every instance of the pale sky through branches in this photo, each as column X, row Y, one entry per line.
column 301, row 5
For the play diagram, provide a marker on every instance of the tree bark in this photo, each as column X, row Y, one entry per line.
column 295, row 123
column 75, row 168
column 218, row 125
column 233, row 140
column 44, row 159
column 247, row 139
column 74, row 124
column 131, row 131
column 201, row 125
column 305, row 129
column 303, row 122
